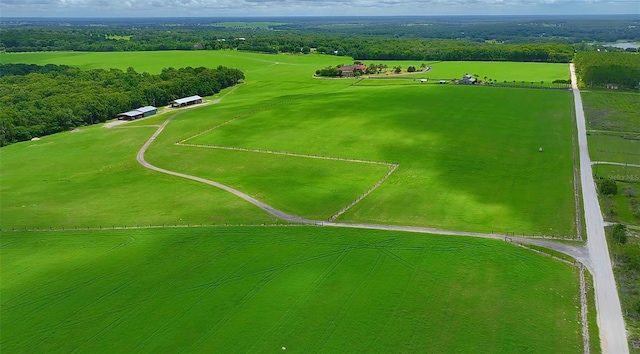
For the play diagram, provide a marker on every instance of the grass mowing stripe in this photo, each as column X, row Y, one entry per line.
column 346, row 287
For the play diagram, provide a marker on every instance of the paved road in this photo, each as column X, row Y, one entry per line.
column 612, row 331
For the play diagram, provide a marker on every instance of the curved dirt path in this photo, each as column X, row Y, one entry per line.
column 610, row 321
column 577, row 252
column 612, row 335
column 259, row 204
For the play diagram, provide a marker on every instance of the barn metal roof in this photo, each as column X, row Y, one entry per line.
column 132, row 113
column 187, row 99
column 138, row 111
column 146, row 109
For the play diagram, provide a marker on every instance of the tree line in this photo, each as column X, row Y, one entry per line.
column 507, row 29
column 365, row 47
column 601, row 68
column 41, row 100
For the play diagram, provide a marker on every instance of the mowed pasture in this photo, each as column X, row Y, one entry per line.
column 615, row 147
column 258, row 289
column 468, row 160
column 468, row 156
column 615, row 111
column 498, row 71
column 90, row 178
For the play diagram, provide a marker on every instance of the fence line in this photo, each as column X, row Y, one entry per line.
column 507, row 234
column 141, row 227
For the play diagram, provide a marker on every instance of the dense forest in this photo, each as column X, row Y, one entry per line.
column 551, row 39
column 360, row 48
column 597, row 69
column 40, row 100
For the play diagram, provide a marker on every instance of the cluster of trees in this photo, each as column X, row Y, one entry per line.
column 329, row 71
column 372, row 69
column 41, row 100
column 601, row 68
column 421, row 49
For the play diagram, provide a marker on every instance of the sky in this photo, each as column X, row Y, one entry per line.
column 259, row 8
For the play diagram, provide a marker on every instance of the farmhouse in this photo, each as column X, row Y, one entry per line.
column 186, row 101
column 468, row 80
column 350, row 70
column 138, row 113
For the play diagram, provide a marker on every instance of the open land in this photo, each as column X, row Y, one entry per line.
column 247, row 289
column 467, row 159
column 471, row 153
column 613, row 111
column 454, row 160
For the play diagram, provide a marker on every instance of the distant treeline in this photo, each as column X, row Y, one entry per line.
column 359, row 47
column 602, row 68
column 419, row 49
column 41, row 100
column 508, row 29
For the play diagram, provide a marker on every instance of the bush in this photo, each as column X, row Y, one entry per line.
column 630, row 255
column 607, row 186
column 619, row 234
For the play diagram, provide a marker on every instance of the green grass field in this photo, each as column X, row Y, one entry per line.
column 616, row 111
column 468, row 160
column 499, row 71
column 119, row 38
column 258, row 289
column 468, row 156
column 91, row 178
column 466, row 164
column 624, row 209
column 620, row 173
column 615, row 147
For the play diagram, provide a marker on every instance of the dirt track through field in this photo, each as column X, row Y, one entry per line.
column 577, row 252
column 614, row 163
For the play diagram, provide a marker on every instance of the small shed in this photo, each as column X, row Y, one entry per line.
column 186, row 101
